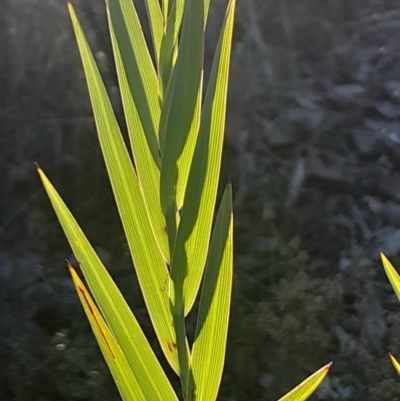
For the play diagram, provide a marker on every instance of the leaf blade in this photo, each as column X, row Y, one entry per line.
column 149, row 263
column 308, row 386
column 141, row 74
column 124, row 378
column 391, row 274
column 180, row 115
column 146, row 167
column 118, row 315
column 198, row 209
column 169, row 43
column 156, row 24
column 208, row 353
column 395, row 363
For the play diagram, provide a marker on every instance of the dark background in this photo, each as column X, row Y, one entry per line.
column 313, row 149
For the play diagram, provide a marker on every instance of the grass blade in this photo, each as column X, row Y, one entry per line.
column 146, row 168
column 125, row 380
column 119, row 317
column 169, row 43
column 208, row 354
column 308, row 386
column 395, row 363
column 179, row 125
column 394, row 280
column 392, row 275
column 165, row 8
column 141, row 74
column 149, row 263
column 197, row 213
column 180, row 115
column 156, row 25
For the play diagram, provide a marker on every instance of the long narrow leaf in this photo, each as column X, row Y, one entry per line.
column 119, row 317
column 208, row 354
column 308, row 386
column 180, row 115
column 149, row 263
column 395, row 363
column 392, row 275
column 146, row 167
column 197, row 213
column 178, row 131
column 165, row 9
column 394, row 279
column 124, row 378
column 156, row 24
column 141, row 74
column 169, row 43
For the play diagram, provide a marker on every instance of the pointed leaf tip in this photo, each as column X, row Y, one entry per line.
column 395, row 363
column 392, row 275
column 308, row 386
column 384, row 258
column 70, row 267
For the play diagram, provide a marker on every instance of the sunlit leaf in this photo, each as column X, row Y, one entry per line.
column 125, row 380
column 165, row 8
column 392, row 275
column 146, row 167
column 169, row 43
column 141, row 73
column 198, row 210
column 208, row 354
column 308, row 386
column 395, row 363
column 119, row 317
column 180, row 115
column 156, row 24
column 149, row 263
column 394, row 280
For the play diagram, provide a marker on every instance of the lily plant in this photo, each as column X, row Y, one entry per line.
column 165, row 183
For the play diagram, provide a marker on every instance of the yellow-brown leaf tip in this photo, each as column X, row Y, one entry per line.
column 38, row 169
column 70, row 267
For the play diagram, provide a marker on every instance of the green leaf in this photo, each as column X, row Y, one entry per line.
column 180, row 115
column 169, row 43
column 197, row 213
column 156, row 24
column 208, row 354
column 165, row 8
column 179, row 125
column 146, row 168
column 141, row 74
column 392, row 275
column 308, row 386
column 149, row 263
column 125, row 328
column 125, row 380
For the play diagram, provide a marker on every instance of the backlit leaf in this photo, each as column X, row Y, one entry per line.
column 308, row 386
